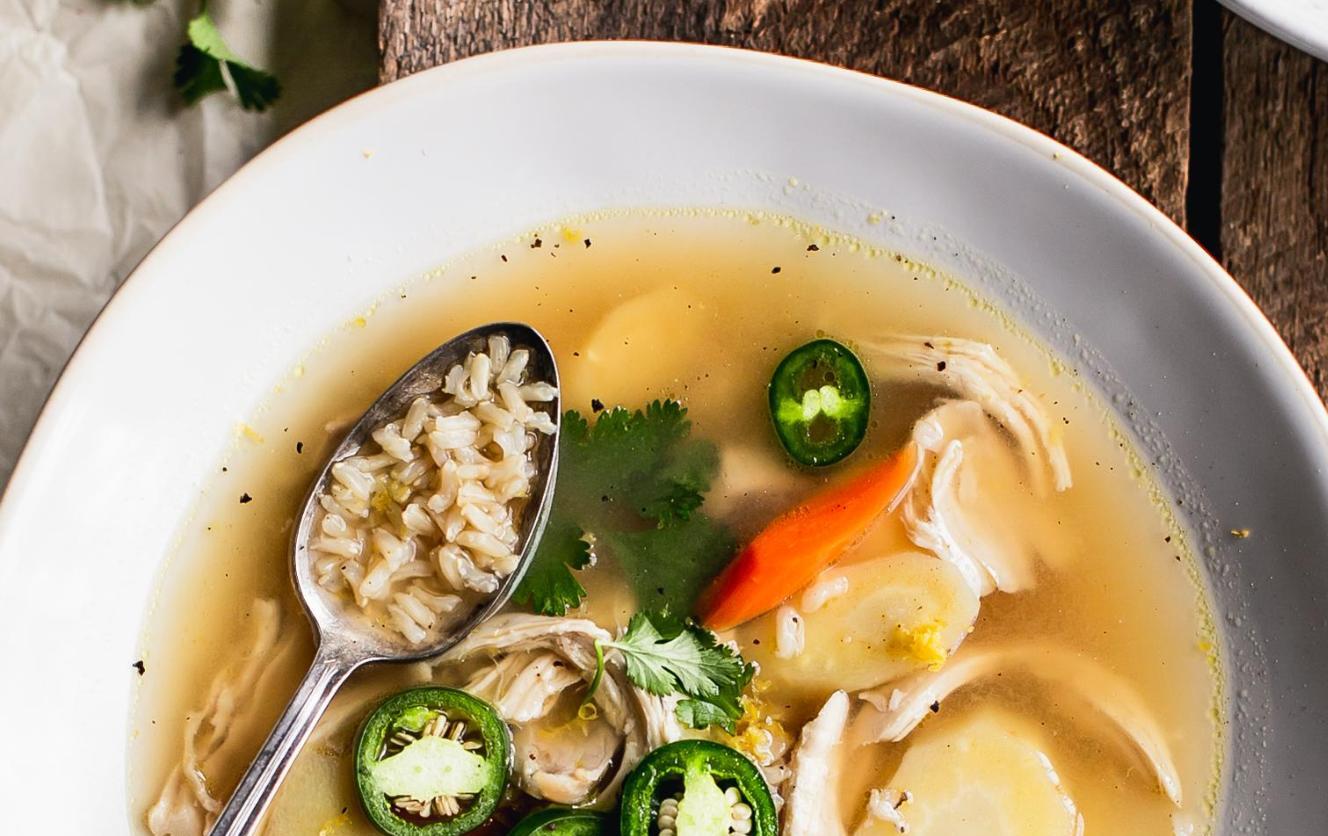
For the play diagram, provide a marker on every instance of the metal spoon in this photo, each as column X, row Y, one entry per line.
column 345, row 642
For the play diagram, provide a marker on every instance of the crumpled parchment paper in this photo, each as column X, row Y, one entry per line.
column 99, row 157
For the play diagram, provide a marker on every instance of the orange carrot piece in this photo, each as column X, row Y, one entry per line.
column 789, row 553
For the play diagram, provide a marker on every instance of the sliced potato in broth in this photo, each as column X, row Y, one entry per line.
column 900, row 614
column 987, row 776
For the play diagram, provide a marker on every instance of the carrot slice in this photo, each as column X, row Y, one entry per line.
column 789, row 553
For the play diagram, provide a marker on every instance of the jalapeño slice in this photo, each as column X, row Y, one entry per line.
column 820, row 401
column 432, row 762
column 697, row 786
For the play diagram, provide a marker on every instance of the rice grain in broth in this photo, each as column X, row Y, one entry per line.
column 700, row 307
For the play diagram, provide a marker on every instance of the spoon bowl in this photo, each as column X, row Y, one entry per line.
column 345, row 638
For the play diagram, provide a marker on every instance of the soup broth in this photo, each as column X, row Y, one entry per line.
column 700, row 307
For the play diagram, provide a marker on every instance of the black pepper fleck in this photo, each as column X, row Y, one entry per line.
column 587, row 243
column 140, row 667
column 536, row 244
column 935, row 707
column 940, row 367
column 299, row 446
column 774, row 269
column 812, row 248
column 596, row 405
column 503, row 257
column 245, row 498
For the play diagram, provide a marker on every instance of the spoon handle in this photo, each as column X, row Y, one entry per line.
column 247, row 804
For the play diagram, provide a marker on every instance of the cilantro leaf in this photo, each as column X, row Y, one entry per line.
column 665, row 666
column 669, row 567
column 633, row 482
column 699, row 714
column 678, row 487
column 689, row 662
column 549, row 587
column 206, row 65
column 197, row 74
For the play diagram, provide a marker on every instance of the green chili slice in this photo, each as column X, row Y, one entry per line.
column 432, row 762
column 563, row 821
column 820, row 401
column 694, row 787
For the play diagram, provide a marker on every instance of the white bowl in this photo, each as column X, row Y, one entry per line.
column 1301, row 23
column 398, row 180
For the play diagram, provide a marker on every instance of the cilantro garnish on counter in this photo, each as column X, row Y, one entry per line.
column 206, row 65
column 630, row 486
column 665, row 656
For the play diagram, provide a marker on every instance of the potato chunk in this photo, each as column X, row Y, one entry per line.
column 658, row 337
column 986, row 776
column 900, row 614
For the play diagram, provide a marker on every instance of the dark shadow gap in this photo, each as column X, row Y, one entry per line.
column 1203, row 190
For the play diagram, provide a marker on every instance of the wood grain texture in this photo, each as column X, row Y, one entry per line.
column 1109, row 78
column 1274, row 218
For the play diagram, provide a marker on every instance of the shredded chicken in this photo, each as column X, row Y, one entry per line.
column 975, row 372
column 531, row 662
column 186, row 806
column 812, row 809
column 891, row 713
column 948, row 513
column 883, row 806
column 525, row 686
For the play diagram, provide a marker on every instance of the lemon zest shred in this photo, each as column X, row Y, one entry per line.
column 758, row 733
column 922, row 643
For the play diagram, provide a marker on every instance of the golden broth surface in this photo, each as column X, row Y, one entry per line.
column 701, row 306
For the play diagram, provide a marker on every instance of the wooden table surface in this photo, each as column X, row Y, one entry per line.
column 1220, row 125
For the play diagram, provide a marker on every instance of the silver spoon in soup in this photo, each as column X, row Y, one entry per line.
column 419, row 525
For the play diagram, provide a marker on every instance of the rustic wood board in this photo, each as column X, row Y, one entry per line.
column 1110, row 79
column 1274, row 199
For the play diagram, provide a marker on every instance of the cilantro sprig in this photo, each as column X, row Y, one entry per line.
column 207, row 65
column 632, row 484
column 665, row 656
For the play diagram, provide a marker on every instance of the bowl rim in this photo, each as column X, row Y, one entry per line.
column 1218, row 279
